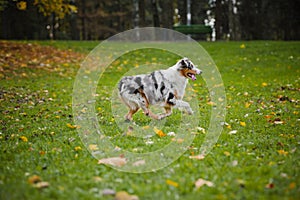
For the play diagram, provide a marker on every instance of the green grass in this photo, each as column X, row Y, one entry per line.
column 259, row 161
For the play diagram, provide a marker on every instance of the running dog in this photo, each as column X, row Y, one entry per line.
column 163, row 87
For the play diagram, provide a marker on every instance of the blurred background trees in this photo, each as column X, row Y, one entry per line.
column 100, row 19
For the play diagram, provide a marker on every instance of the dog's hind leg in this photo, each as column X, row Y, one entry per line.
column 131, row 112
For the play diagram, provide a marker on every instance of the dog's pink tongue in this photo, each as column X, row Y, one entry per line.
column 194, row 77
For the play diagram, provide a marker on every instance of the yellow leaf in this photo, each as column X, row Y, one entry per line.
column 22, row 5
column 242, row 46
column 160, row 133
column 292, row 185
column 172, row 183
column 93, row 147
column 210, row 103
column 78, row 148
column 243, row 123
column 226, row 153
column 247, row 105
column 282, row 152
column 24, row 139
column 72, row 126
column 264, row 84
column 34, row 179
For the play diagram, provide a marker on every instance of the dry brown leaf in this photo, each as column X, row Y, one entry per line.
column 41, row 184
column 200, row 182
column 114, row 161
column 198, row 157
column 34, row 179
column 139, row 162
column 122, row 195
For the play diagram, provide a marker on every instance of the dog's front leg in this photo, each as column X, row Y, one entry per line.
column 168, row 112
column 183, row 105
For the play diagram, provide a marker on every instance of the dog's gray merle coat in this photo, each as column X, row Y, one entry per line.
column 163, row 87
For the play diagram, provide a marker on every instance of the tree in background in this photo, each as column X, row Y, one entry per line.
column 256, row 19
column 100, row 19
column 23, row 20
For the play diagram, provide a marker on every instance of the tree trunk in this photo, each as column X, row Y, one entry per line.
column 167, row 14
column 218, row 14
column 156, row 22
column 142, row 14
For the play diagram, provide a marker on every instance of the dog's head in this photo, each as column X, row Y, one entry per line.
column 187, row 69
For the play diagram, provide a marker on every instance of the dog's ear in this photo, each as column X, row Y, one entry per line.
column 183, row 63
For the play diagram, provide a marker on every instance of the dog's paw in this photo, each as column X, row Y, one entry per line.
column 190, row 111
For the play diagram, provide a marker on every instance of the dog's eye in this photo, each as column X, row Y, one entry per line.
column 190, row 66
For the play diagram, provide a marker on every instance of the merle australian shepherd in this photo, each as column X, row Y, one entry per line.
column 162, row 87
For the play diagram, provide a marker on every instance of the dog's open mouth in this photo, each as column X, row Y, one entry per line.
column 191, row 76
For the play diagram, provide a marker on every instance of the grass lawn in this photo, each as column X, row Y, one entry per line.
column 256, row 157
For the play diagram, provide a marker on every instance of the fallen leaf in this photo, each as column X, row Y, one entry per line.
column 282, row 152
column 243, row 124
column 232, row 132
column 210, row 103
column 149, row 142
column 226, row 153
column 268, row 116
column 264, row 84
column 247, row 105
column 292, row 185
column 78, row 148
column 270, row 185
column 160, row 133
column 24, row 139
column 93, row 147
column 34, row 179
column 172, row 183
column 200, row 129
column 178, row 140
column 72, row 126
column 198, row 157
column 200, row 182
column 97, row 179
column 278, row 121
column 139, row 162
column 114, row 161
column 234, row 163
column 108, row 192
column 122, row 195
column 242, row 46
column 37, row 182
column 41, row 184
column 145, row 127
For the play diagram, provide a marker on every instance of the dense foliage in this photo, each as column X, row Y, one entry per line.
column 99, row 19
